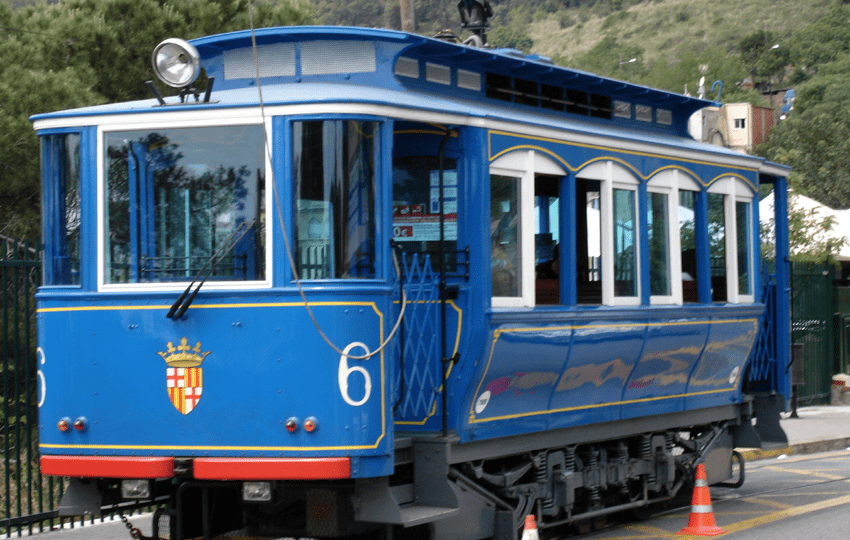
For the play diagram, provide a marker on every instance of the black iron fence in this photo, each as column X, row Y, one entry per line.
column 812, row 313
column 28, row 500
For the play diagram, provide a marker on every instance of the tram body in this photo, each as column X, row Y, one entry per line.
column 584, row 311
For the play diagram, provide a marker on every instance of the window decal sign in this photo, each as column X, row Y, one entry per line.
column 421, row 222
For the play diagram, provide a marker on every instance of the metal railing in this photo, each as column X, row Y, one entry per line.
column 29, row 502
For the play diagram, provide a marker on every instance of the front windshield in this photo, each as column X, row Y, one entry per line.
column 174, row 196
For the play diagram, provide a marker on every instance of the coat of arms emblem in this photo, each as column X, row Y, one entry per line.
column 184, row 377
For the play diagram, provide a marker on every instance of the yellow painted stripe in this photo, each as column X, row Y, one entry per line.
column 473, row 420
column 790, row 512
column 808, row 458
column 647, row 529
column 207, row 306
column 817, row 474
column 204, row 448
column 774, row 504
column 620, row 325
column 598, row 147
column 658, row 533
column 243, row 448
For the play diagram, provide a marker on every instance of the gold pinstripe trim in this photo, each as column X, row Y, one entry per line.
column 208, row 306
column 241, row 448
column 576, row 168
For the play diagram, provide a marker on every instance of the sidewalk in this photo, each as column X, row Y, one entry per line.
column 818, row 429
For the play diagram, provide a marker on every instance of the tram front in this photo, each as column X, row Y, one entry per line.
column 218, row 296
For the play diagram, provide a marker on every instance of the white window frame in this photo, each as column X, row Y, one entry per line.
column 667, row 183
column 612, row 175
column 524, row 164
column 179, row 121
column 740, row 123
column 735, row 190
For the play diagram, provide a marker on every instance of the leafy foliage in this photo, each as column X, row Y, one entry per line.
column 763, row 56
column 811, row 235
column 815, row 139
column 69, row 53
column 73, row 53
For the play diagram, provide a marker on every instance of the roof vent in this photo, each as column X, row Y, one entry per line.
column 337, row 57
column 276, row 60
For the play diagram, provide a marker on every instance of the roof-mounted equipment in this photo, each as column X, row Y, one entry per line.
column 177, row 63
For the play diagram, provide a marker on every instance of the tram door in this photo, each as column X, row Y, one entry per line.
column 417, row 165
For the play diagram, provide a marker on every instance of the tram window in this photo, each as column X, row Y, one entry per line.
column 334, row 181
column 61, row 208
column 515, row 179
column 625, row 243
column 547, row 210
column 416, row 208
column 174, row 197
column 659, row 241
column 588, row 238
column 717, row 246
column 687, row 232
column 505, row 235
column 742, row 229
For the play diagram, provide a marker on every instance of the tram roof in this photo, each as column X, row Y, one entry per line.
column 384, row 58
column 343, row 66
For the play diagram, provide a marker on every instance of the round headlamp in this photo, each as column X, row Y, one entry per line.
column 176, row 62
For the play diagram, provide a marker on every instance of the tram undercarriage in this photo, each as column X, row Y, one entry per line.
column 443, row 490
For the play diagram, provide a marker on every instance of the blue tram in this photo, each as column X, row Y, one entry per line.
column 364, row 280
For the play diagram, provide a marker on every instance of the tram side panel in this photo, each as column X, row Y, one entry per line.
column 554, row 376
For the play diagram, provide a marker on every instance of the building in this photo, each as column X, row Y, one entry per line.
column 739, row 126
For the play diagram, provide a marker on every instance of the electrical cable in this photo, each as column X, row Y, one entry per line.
column 289, row 255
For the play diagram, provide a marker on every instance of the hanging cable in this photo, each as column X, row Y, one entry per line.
column 289, row 255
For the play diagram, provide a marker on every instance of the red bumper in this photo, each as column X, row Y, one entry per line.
column 272, row 469
column 107, row 467
column 203, row 468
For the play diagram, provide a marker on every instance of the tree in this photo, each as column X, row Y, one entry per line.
column 815, row 139
column 824, row 40
column 765, row 58
column 85, row 52
column 811, row 237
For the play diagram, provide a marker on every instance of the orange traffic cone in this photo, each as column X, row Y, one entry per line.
column 529, row 532
column 701, row 520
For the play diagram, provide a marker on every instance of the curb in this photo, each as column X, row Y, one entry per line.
column 811, row 447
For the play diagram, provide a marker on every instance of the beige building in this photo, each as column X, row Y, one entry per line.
column 739, row 126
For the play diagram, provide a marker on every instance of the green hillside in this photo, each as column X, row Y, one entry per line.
column 749, row 47
column 672, row 38
column 669, row 39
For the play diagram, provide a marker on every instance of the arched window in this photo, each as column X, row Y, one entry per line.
column 611, row 193
column 524, row 199
column 731, row 240
column 663, row 239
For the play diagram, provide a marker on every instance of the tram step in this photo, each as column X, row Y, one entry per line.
column 417, row 515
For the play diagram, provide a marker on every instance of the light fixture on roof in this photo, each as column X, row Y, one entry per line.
column 176, row 62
